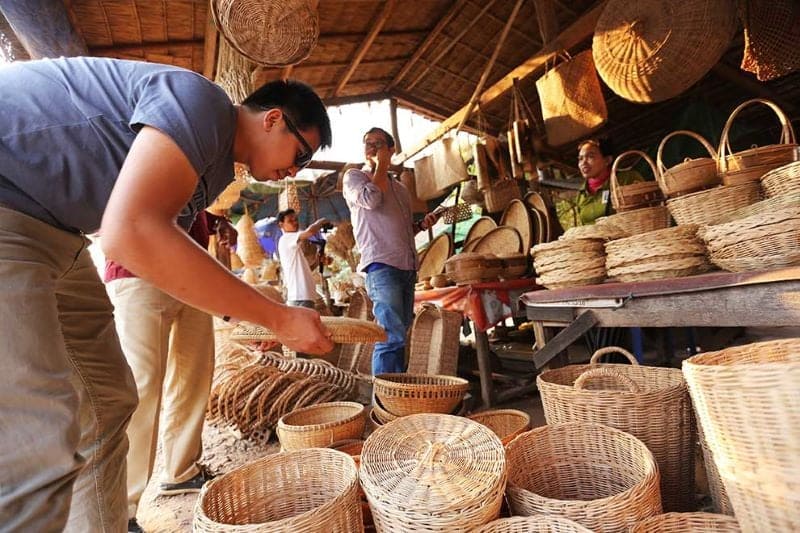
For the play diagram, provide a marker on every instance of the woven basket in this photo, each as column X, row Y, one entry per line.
column 532, row 524
column 569, row 262
column 470, row 267
column 572, row 100
column 432, row 263
column 692, row 174
column 321, row 425
column 783, row 180
column 269, row 33
column 499, row 194
column 433, row 473
column 687, row 522
column 500, row 240
column 709, row 206
column 506, row 423
column 771, row 37
column 606, row 231
column 652, row 50
column 639, row 220
column 308, row 490
column 514, row 265
column 481, row 227
column 750, row 165
column 600, row 477
column 343, row 330
column 408, row 394
column 635, row 195
column 434, row 341
column 746, row 399
column 518, row 217
column 652, row 404
column 716, row 488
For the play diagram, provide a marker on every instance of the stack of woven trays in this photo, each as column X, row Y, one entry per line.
column 569, row 262
column 398, row 395
column 666, row 253
column 430, row 472
column 471, row 267
column 767, row 237
column 319, row 426
column 601, row 229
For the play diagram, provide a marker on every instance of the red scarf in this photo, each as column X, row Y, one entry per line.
column 595, row 184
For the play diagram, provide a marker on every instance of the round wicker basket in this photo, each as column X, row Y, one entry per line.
column 506, row 423
column 532, row 524
column 308, row 490
column 600, row 477
column 687, row 523
column 408, row 394
column 635, row 195
column 783, row 180
column 692, row 174
column 711, row 205
column 639, row 220
column 321, row 425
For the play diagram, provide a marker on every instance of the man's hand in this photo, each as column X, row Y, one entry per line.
column 302, row 331
column 429, row 220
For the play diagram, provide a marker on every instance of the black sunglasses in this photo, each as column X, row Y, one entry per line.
column 301, row 161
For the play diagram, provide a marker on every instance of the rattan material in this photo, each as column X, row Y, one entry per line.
column 500, row 240
column 434, row 341
column 712, row 205
column 308, row 490
column 659, row 413
column 716, row 488
column 692, row 174
column 569, row 262
column 533, row 524
column 652, row 50
column 747, row 402
column 269, row 33
column 506, row 423
column 481, row 227
column 343, row 330
column 545, row 231
column 471, row 267
column 607, row 232
column 783, row 180
column 600, row 477
column 771, row 37
column 517, row 216
column 433, row 473
column 321, row 425
column 407, row 394
column 499, row 194
column 635, row 195
column 750, row 165
column 687, row 522
column 639, row 220
column 436, row 254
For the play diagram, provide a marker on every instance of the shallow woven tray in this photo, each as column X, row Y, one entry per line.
column 606, row 231
column 436, row 254
column 407, row 394
column 343, row 331
column 321, row 425
column 517, row 216
column 501, row 240
column 481, row 227
column 711, row 205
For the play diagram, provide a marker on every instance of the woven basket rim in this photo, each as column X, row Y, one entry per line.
column 357, row 410
column 551, row 378
column 722, row 360
column 404, row 380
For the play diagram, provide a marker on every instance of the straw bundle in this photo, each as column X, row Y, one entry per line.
column 248, row 248
column 341, row 243
column 569, row 262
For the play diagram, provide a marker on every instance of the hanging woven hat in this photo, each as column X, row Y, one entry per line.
column 269, row 32
column 652, row 50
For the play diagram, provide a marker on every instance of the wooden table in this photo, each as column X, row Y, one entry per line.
column 721, row 299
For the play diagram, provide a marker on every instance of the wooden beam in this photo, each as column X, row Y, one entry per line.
column 356, row 99
column 43, row 28
column 489, row 66
column 406, row 34
column 395, row 130
column 546, row 19
column 576, row 33
column 149, row 46
column 210, row 46
column 455, row 8
column 450, row 45
column 377, row 25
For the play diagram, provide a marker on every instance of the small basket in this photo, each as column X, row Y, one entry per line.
column 434, row 341
column 750, row 165
column 712, row 205
column 321, row 425
column 635, row 195
column 600, row 477
column 307, row 490
column 687, row 523
column 691, row 175
column 639, row 220
column 408, row 394
column 533, row 524
column 500, row 193
column 506, row 423
column 783, row 180
column 471, row 267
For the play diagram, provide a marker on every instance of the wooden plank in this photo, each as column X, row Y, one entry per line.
column 150, row 46
column 565, row 337
column 377, row 25
column 546, row 19
column 355, row 99
column 43, row 28
column 576, row 33
column 484, row 367
column 210, row 47
column 395, row 130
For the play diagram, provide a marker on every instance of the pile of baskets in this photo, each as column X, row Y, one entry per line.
column 399, row 395
column 667, row 253
column 570, row 262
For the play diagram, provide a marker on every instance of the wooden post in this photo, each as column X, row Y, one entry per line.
column 547, row 19
column 210, row 47
column 395, row 129
column 43, row 27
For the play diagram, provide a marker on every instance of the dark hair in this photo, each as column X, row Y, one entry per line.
column 298, row 99
column 285, row 213
column 389, row 138
column 603, row 144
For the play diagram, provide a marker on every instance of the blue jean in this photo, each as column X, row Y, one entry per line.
column 392, row 293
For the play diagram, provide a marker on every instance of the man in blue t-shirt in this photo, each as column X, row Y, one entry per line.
column 135, row 151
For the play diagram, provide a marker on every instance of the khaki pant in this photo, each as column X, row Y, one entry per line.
column 170, row 348
column 66, row 393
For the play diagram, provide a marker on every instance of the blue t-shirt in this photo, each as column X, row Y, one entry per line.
column 67, row 126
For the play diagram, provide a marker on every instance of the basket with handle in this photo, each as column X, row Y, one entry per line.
column 635, row 195
column 321, row 425
column 434, row 341
column 749, row 165
column 746, row 398
column 687, row 522
column 407, row 394
column 692, row 174
column 500, row 193
column 306, row 490
column 650, row 403
column 506, row 423
column 600, row 477
column 533, row 524
column 711, row 205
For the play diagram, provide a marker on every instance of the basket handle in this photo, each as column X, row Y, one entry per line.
column 787, row 132
column 659, row 161
column 614, row 184
column 613, row 349
column 605, row 372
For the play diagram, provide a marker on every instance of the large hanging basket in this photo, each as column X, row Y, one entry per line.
column 308, row 490
column 749, row 165
column 600, row 477
column 500, row 193
column 651, row 50
column 635, row 195
column 747, row 402
column 650, row 403
column 771, row 37
column 690, row 175
column 687, row 523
